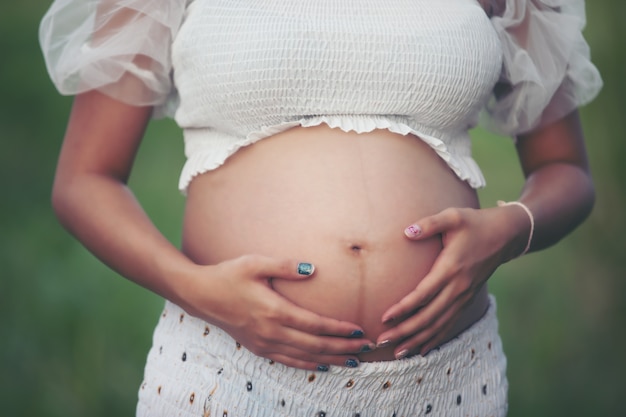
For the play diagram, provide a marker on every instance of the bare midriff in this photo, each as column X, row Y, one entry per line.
column 339, row 200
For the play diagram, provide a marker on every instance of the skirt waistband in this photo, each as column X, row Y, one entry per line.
column 464, row 376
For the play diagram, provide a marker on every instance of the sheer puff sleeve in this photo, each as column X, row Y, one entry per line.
column 119, row 47
column 547, row 72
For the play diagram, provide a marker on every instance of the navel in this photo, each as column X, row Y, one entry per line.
column 356, row 248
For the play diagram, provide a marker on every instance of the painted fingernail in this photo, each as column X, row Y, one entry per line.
column 352, row 363
column 413, row 231
column 357, row 333
column 384, row 343
column 402, row 354
column 368, row 348
column 305, row 268
column 322, row 368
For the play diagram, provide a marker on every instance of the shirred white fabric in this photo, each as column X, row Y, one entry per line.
column 120, row 47
column 547, row 72
column 412, row 66
column 452, row 148
column 248, row 69
column 196, row 369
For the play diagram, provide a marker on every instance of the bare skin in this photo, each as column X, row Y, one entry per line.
column 241, row 294
column 92, row 201
column 343, row 210
column 558, row 191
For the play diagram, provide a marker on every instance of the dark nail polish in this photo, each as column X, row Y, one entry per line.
column 322, row 368
column 367, row 348
column 352, row 363
column 357, row 333
column 305, row 268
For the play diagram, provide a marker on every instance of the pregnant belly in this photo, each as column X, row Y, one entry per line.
column 338, row 200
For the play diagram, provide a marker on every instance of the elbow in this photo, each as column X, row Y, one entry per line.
column 58, row 200
column 580, row 190
column 63, row 202
column 589, row 197
column 582, row 197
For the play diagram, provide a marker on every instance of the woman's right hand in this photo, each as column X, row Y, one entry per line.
column 237, row 295
column 94, row 166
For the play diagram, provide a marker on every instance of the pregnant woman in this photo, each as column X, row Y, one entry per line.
column 334, row 258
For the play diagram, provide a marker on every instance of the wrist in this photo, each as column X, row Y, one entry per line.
column 202, row 292
column 523, row 223
column 189, row 286
column 179, row 281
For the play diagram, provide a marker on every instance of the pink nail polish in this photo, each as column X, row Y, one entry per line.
column 402, row 354
column 384, row 343
column 413, row 231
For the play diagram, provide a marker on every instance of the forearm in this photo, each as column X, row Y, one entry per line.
column 105, row 217
column 92, row 201
column 560, row 196
column 559, row 190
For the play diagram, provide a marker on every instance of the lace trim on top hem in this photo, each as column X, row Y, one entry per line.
column 208, row 149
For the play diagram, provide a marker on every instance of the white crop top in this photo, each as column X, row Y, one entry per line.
column 233, row 72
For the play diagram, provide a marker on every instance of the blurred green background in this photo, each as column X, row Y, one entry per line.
column 74, row 335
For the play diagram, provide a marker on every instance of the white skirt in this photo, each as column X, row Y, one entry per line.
column 196, row 369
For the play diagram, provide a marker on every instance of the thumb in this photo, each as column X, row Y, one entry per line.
column 286, row 269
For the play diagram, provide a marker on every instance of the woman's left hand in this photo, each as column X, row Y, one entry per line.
column 475, row 243
column 558, row 190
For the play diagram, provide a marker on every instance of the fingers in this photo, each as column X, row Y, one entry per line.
column 314, row 351
column 288, row 314
column 314, row 324
column 414, row 330
column 328, row 354
column 295, row 360
column 469, row 256
column 437, row 300
column 435, row 224
column 315, row 354
column 294, row 326
column 410, row 303
column 426, row 290
column 424, row 330
column 275, row 328
column 431, row 336
column 263, row 266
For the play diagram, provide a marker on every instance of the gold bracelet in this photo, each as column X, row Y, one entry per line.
column 530, row 217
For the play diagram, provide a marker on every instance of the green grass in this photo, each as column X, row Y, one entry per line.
column 74, row 335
